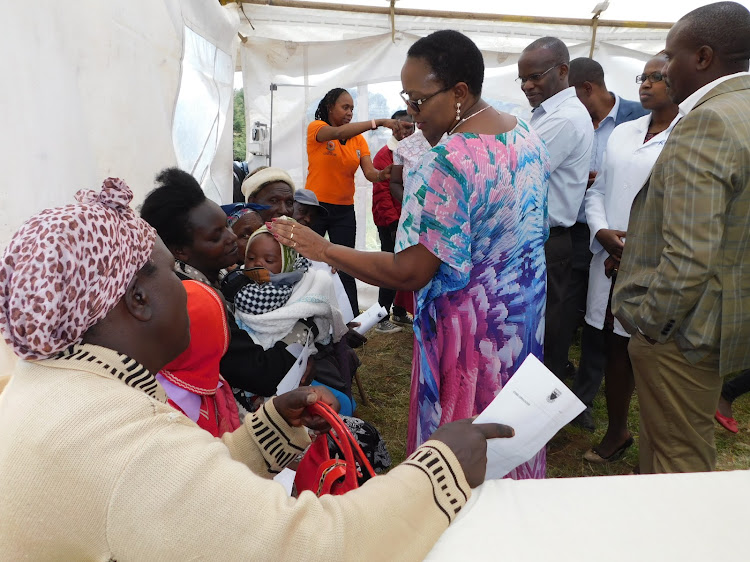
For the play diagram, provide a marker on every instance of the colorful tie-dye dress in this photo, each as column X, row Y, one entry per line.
column 479, row 203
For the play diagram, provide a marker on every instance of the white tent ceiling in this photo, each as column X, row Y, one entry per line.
column 271, row 18
column 620, row 10
column 307, row 47
column 95, row 88
column 632, row 10
column 257, row 19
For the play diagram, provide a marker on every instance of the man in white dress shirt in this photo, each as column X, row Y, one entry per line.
column 565, row 126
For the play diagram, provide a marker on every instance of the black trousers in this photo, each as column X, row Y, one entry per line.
column 736, row 387
column 580, row 261
column 590, row 371
column 558, row 251
column 341, row 226
column 387, row 236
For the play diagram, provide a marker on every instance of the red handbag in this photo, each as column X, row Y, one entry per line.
column 319, row 473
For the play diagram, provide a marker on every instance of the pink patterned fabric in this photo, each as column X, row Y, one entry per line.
column 66, row 268
column 478, row 203
column 227, row 413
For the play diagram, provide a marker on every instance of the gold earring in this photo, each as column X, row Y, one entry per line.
column 458, row 111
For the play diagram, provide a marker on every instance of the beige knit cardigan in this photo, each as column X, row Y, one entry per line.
column 92, row 469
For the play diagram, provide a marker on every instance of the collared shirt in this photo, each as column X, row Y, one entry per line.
column 601, row 136
column 689, row 102
column 565, row 127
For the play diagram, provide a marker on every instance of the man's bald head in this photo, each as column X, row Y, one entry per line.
column 543, row 69
column 556, row 47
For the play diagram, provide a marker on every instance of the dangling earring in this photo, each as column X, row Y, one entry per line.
column 458, row 111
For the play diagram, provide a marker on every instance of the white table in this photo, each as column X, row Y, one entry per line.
column 701, row 517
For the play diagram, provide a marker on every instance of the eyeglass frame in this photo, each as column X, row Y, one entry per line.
column 536, row 76
column 641, row 78
column 415, row 104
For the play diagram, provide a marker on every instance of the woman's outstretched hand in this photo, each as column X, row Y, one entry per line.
column 303, row 239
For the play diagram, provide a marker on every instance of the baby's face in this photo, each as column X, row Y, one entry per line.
column 264, row 252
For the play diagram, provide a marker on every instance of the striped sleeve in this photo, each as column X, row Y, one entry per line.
column 278, row 442
column 451, row 491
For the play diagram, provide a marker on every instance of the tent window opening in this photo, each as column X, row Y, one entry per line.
column 202, row 106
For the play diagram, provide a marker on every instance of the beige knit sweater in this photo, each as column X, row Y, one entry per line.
column 93, row 469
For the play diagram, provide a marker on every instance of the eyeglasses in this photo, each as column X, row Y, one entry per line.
column 653, row 77
column 535, row 77
column 414, row 104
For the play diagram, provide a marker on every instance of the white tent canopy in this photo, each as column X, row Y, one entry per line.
column 95, row 89
column 291, row 56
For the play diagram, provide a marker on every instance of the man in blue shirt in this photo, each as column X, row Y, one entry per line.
column 607, row 110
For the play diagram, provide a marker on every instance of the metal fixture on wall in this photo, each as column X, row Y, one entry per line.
column 273, row 88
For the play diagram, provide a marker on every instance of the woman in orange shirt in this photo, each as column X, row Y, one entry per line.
column 335, row 150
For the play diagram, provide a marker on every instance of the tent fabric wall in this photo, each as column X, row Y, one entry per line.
column 204, row 105
column 90, row 92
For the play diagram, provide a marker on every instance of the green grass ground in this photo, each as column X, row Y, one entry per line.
column 385, row 374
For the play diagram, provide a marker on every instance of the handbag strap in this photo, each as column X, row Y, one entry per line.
column 344, row 439
column 337, row 425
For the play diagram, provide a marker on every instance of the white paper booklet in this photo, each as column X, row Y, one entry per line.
column 370, row 317
column 536, row 404
column 294, row 375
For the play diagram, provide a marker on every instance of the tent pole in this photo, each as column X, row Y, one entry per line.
column 393, row 21
column 594, row 23
column 274, row 87
column 448, row 15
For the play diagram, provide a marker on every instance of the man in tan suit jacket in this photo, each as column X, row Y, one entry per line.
column 683, row 287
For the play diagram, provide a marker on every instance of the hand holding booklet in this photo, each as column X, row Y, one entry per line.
column 536, row 404
column 370, row 317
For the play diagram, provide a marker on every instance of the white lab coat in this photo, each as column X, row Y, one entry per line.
column 626, row 166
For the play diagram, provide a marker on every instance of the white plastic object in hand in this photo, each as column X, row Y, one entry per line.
column 369, row 318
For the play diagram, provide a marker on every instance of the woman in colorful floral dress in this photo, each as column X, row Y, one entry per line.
column 470, row 241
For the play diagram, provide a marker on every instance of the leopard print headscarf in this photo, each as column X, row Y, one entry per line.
column 66, row 268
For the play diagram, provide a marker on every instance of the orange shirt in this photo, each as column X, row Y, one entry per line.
column 331, row 166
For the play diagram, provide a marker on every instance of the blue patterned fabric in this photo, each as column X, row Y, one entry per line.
column 479, row 203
